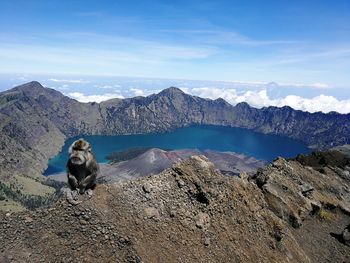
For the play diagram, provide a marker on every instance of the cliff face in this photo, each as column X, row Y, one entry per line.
column 35, row 121
column 191, row 213
column 312, row 194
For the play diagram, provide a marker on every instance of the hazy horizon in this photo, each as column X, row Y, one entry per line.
column 97, row 88
column 265, row 53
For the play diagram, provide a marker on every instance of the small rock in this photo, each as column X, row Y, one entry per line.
column 346, row 235
column 28, row 219
column 207, row 241
column 147, row 187
column 203, row 220
column 124, row 240
column 151, row 212
column 244, row 176
column 172, row 213
column 306, row 189
column 89, row 193
column 82, row 222
column 180, row 183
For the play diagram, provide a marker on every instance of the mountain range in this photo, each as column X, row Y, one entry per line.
column 35, row 121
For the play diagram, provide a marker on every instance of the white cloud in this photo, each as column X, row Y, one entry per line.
column 93, row 98
column 219, row 36
column 261, row 99
column 184, row 89
column 69, row 80
column 322, row 103
column 317, row 85
column 137, row 92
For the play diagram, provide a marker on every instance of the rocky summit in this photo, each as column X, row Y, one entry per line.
column 286, row 212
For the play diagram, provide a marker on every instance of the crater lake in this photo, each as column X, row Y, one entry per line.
column 264, row 147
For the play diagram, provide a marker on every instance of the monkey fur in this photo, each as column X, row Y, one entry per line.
column 82, row 167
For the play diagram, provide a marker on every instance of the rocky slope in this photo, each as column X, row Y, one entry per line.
column 156, row 160
column 306, row 188
column 192, row 213
column 35, row 121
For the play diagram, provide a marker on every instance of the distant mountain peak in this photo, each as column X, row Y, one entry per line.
column 31, row 84
column 243, row 104
column 30, row 87
column 172, row 90
column 222, row 102
column 272, row 84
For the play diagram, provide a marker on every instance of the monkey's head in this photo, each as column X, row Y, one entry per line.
column 79, row 152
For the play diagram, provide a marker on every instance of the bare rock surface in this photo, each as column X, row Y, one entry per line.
column 312, row 194
column 207, row 218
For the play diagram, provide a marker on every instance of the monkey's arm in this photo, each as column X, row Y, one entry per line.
column 73, row 182
column 89, row 181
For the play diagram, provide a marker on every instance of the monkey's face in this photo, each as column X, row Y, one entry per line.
column 78, row 157
column 79, row 152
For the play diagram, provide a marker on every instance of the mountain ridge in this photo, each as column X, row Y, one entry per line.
column 184, row 109
column 35, row 121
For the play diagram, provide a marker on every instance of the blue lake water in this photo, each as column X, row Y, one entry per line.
column 261, row 146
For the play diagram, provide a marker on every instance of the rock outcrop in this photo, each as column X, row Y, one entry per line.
column 312, row 194
column 189, row 213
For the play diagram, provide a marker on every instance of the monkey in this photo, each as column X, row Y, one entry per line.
column 82, row 167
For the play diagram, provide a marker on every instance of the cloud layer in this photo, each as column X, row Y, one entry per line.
column 255, row 98
column 261, row 99
column 93, row 98
column 301, row 96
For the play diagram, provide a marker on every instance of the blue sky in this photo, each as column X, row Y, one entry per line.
column 297, row 44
